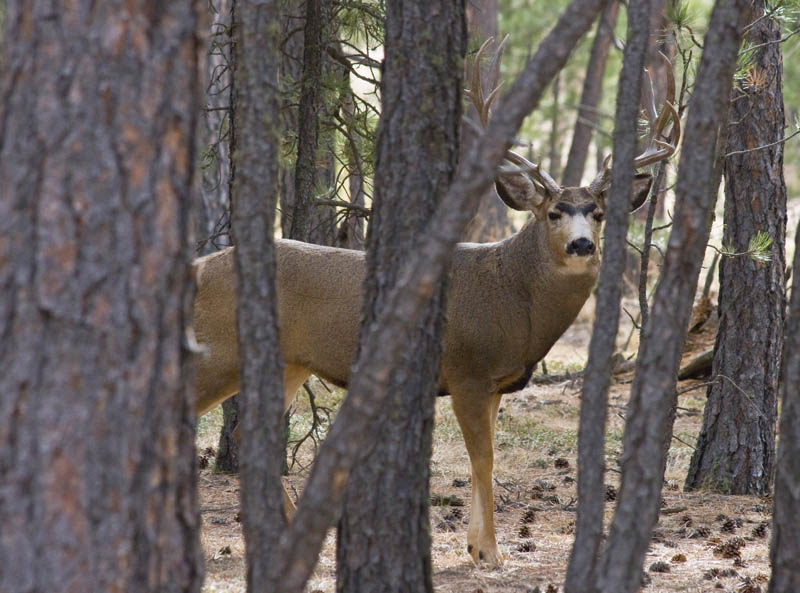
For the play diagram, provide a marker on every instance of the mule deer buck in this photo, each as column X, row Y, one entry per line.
column 508, row 302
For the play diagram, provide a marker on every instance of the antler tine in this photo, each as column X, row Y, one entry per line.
column 650, row 105
column 498, row 55
column 536, row 171
column 483, row 104
column 476, row 92
column 659, row 149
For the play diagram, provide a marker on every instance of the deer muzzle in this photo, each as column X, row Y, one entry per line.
column 581, row 247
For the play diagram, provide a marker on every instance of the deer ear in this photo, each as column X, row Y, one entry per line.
column 640, row 189
column 519, row 192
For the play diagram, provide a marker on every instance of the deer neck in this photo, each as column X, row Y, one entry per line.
column 556, row 292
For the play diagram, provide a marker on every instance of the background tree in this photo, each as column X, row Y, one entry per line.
column 97, row 432
column 256, row 145
column 214, row 216
column 309, row 221
column 490, row 222
column 735, row 451
column 651, row 410
column 417, row 155
column 594, row 407
column 785, row 548
column 588, row 116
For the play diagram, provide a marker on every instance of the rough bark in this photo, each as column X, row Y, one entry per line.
column 490, row 222
column 594, row 399
column 310, row 222
column 256, row 126
column 291, row 69
column 227, row 459
column 383, row 551
column 785, row 548
column 653, row 395
column 735, row 451
column 97, row 129
column 354, row 427
column 214, row 217
column 590, row 96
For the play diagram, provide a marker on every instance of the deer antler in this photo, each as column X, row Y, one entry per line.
column 483, row 105
column 662, row 146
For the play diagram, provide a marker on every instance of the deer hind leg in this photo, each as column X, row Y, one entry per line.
column 293, row 378
column 476, row 414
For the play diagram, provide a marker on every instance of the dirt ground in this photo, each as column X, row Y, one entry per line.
column 702, row 543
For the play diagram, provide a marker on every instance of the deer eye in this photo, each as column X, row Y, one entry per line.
column 598, row 216
column 553, row 216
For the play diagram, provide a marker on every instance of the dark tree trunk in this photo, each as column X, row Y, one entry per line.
column 309, row 222
column 785, row 549
column 594, row 401
column 490, row 222
column 735, row 451
column 97, row 460
column 653, row 397
column 417, row 156
column 590, row 96
column 214, row 217
column 227, row 459
column 354, row 428
column 255, row 188
column 291, row 73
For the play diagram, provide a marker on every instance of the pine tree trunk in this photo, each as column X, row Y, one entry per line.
column 648, row 423
column 590, row 96
column 581, row 572
column 309, row 222
column 215, row 212
column 213, row 218
column 785, row 548
column 97, row 460
column 417, row 155
column 227, row 459
column 490, row 222
column 256, row 133
column 291, row 69
column 735, row 451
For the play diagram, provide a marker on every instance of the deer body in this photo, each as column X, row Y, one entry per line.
column 507, row 305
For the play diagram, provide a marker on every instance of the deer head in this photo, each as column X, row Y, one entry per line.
column 572, row 216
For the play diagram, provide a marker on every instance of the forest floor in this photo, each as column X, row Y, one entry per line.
column 703, row 542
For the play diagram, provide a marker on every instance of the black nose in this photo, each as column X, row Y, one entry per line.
column 582, row 246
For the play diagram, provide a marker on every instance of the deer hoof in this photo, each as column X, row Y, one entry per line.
column 490, row 557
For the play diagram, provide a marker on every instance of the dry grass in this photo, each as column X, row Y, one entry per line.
column 535, row 498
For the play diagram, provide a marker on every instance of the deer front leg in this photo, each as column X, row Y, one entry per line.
column 476, row 414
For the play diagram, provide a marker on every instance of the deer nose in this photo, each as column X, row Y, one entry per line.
column 582, row 246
